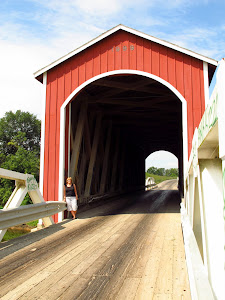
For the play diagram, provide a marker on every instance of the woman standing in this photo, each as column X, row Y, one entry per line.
column 70, row 196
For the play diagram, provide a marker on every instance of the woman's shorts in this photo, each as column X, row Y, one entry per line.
column 71, row 203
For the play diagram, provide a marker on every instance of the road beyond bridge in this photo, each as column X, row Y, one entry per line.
column 129, row 248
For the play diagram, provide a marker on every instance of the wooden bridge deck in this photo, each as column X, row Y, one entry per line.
column 131, row 248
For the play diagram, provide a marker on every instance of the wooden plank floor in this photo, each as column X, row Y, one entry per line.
column 131, row 248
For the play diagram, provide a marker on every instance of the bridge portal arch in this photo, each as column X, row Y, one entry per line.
column 72, row 96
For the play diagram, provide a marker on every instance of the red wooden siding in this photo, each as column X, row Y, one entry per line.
column 121, row 50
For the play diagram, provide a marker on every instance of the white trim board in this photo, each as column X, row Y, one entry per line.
column 129, row 30
column 41, row 177
column 117, row 72
column 206, row 82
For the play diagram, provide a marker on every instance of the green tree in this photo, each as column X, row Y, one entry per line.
column 19, row 129
column 173, row 172
column 152, row 170
column 19, row 149
column 160, row 172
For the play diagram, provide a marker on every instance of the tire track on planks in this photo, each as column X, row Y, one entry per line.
column 22, row 257
column 100, row 281
column 15, row 268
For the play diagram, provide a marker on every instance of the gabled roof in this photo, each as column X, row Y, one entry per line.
column 135, row 32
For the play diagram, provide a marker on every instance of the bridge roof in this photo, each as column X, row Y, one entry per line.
column 38, row 74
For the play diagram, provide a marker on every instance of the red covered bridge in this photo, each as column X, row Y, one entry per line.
column 111, row 103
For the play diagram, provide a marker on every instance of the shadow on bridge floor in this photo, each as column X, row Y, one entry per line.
column 148, row 202
column 11, row 246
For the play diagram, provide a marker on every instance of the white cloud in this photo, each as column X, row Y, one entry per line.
column 206, row 41
column 19, row 89
column 61, row 26
column 99, row 7
column 161, row 159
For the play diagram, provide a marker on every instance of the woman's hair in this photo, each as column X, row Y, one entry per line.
column 68, row 178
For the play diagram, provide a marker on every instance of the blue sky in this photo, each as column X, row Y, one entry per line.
column 34, row 33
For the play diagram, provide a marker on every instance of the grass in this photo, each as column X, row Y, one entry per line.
column 158, row 178
column 11, row 233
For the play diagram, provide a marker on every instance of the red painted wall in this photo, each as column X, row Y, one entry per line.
column 120, row 50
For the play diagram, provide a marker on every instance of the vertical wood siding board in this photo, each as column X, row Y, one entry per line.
column 133, row 52
column 155, row 59
column 57, row 139
column 150, row 45
column 89, row 63
column 147, row 56
column 71, row 89
column 118, row 57
column 140, row 54
column 51, row 174
column 57, row 154
column 128, row 43
column 179, row 72
column 188, row 90
column 110, row 54
column 202, row 90
column 67, row 75
column 82, row 73
column 47, row 132
column 74, row 74
column 60, row 100
column 103, row 56
column 196, row 92
column 96, row 61
column 89, row 69
column 56, row 174
column 171, row 67
column 61, row 87
column 125, row 51
column 81, row 67
column 163, row 63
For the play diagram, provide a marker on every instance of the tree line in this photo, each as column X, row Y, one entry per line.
column 173, row 172
column 19, row 149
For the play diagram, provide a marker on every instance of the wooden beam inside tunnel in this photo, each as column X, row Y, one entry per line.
column 121, row 167
column 106, row 159
column 115, row 162
column 77, row 140
column 93, row 156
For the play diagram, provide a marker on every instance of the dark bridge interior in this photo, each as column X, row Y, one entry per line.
column 116, row 122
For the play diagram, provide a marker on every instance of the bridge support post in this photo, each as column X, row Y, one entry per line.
column 121, row 179
column 77, row 141
column 25, row 183
column 93, row 156
column 115, row 162
column 106, row 160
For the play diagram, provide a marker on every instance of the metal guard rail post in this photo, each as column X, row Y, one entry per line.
column 12, row 214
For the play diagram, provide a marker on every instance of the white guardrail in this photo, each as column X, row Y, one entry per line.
column 203, row 212
column 13, row 214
